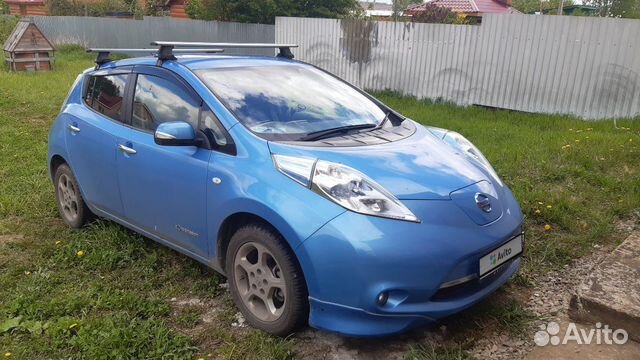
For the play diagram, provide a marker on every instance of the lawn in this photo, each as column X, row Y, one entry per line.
column 104, row 292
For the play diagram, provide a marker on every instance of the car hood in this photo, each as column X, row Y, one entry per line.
column 418, row 167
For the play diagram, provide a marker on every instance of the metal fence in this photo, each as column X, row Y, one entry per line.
column 588, row 67
column 129, row 33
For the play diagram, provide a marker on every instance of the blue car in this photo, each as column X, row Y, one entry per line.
column 319, row 203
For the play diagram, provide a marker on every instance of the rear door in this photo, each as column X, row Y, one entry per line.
column 163, row 187
column 91, row 137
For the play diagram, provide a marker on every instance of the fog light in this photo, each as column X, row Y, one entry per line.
column 382, row 298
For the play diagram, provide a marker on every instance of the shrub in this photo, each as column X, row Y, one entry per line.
column 435, row 14
column 73, row 8
column 7, row 23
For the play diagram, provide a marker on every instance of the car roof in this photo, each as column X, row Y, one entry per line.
column 199, row 62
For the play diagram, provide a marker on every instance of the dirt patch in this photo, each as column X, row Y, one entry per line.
column 629, row 225
column 8, row 239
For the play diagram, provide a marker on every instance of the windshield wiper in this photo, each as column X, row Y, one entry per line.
column 316, row 135
column 384, row 121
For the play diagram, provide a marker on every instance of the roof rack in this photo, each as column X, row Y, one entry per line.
column 284, row 49
column 166, row 50
column 104, row 53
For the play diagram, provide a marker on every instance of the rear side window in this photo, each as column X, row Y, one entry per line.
column 105, row 94
column 158, row 100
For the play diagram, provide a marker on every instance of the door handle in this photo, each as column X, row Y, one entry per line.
column 73, row 128
column 126, row 149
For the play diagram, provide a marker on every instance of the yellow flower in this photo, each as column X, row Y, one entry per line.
column 7, row 354
column 540, row 203
column 566, row 146
column 549, row 206
column 547, row 227
column 80, row 253
column 27, row 272
column 630, row 140
column 537, row 211
column 58, row 242
column 201, row 358
column 72, row 326
column 577, row 140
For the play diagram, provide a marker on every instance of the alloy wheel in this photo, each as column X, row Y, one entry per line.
column 260, row 283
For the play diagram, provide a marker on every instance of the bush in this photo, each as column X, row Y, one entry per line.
column 7, row 23
column 73, row 8
column 4, row 8
column 432, row 13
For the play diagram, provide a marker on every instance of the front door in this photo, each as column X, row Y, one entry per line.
column 164, row 187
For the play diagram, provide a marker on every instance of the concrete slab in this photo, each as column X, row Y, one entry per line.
column 611, row 293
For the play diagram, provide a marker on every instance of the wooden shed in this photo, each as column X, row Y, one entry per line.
column 27, row 7
column 27, row 49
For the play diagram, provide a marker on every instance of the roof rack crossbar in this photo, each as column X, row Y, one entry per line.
column 166, row 49
column 284, row 49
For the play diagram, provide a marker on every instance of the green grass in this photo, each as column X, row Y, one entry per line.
column 437, row 352
column 118, row 294
column 114, row 302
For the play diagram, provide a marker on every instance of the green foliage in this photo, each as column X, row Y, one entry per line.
column 7, row 24
column 4, row 7
column 74, row 8
column 433, row 13
column 617, row 8
column 532, row 6
column 265, row 11
column 398, row 6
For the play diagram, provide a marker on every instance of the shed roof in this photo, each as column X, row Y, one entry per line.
column 18, row 42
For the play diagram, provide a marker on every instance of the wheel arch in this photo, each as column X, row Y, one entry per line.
column 235, row 221
column 55, row 161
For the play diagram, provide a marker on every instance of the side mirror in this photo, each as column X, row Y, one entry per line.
column 175, row 133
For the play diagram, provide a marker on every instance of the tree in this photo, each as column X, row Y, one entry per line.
column 398, row 6
column 617, row 8
column 265, row 11
column 433, row 13
column 531, row 6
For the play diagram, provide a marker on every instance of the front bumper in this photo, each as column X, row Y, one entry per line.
column 354, row 258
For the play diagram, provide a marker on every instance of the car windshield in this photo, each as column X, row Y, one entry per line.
column 289, row 102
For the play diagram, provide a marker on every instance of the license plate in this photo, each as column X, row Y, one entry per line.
column 501, row 255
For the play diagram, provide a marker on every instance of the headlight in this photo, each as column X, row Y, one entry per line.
column 460, row 143
column 345, row 186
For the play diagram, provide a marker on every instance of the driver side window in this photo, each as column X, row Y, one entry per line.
column 159, row 100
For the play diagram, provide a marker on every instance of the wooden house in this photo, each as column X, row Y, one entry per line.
column 27, row 49
column 27, row 7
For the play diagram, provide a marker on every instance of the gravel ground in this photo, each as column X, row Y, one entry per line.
column 549, row 301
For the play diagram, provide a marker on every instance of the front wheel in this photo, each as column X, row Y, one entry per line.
column 71, row 205
column 266, row 281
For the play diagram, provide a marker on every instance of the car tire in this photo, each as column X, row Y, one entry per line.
column 71, row 205
column 266, row 281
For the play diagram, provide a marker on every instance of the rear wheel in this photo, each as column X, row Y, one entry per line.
column 265, row 280
column 71, row 205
